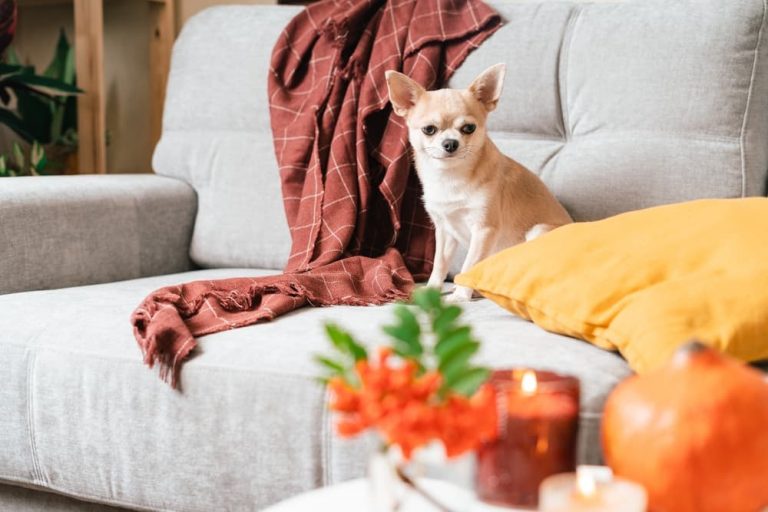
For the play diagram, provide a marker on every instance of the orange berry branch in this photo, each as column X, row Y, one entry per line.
column 421, row 388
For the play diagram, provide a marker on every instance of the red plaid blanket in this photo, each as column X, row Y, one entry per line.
column 360, row 235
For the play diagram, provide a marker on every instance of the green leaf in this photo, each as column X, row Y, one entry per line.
column 406, row 332
column 7, row 68
column 445, row 318
column 427, row 299
column 344, row 342
column 10, row 120
column 406, row 351
column 467, row 383
column 36, row 113
column 70, row 69
column 18, row 155
column 455, row 362
column 42, row 84
column 408, row 319
column 36, row 154
column 63, row 110
column 336, row 367
column 57, row 69
column 11, row 57
column 452, row 339
column 69, row 122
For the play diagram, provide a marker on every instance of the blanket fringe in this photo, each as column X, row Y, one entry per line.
column 169, row 361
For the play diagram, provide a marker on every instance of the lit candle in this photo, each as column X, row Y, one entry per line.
column 528, row 383
column 538, row 424
column 591, row 489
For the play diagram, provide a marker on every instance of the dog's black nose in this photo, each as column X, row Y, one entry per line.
column 450, row 145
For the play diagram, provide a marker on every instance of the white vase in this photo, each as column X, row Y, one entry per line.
column 387, row 490
column 427, row 465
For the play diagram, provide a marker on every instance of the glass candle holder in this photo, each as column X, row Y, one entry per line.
column 591, row 489
column 538, row 427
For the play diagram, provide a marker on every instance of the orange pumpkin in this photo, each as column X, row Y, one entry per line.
column 694, row 433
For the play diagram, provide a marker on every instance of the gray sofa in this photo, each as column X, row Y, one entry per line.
column 617, row 105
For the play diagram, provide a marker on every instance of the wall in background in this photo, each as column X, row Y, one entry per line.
column 126, row 66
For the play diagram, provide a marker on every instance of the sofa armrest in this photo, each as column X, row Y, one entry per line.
column 59, row 231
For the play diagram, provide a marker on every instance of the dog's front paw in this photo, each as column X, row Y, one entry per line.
column 436, row 280
column 460, row 294
column 434, row 283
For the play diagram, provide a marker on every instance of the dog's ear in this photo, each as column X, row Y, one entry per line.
column 487, row 86
column 403, row 92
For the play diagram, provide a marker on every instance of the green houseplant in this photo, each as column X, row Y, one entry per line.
column 419, row 391
column 39, row 108
column 48, row 112
column 19, row 164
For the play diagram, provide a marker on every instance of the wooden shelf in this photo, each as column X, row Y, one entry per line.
column 89, row 63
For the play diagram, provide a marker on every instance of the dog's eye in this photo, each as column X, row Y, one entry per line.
column 429, row 129
column 468, row 128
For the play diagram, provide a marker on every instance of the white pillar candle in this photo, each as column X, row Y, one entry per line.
column 591, row 489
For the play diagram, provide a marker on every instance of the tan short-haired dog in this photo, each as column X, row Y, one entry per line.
column 475, row 195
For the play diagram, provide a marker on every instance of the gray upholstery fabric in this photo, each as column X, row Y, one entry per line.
column 19, row 499
column 216, row 135
column 61, row 231
column 625, row 105
column 617, row 105
column 81, row 415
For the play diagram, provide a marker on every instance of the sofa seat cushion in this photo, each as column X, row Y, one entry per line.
column 81, row 414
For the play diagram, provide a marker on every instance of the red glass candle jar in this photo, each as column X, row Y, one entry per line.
column 538, row 426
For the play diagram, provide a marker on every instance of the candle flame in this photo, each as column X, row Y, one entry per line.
column 585, row 484
column 529, row 383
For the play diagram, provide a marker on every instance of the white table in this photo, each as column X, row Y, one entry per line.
column 354, row 496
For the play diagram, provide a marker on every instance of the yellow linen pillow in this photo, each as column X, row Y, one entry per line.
column 645, row 282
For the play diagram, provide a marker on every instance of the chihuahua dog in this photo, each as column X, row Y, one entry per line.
column 475, row 195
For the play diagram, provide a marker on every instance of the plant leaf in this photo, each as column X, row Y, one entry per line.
column 451, row 339
column 38, row 158
column 344, row 342
column 62, row 67
column 427, row 299
column 43, row 84
column 35, row 112
column 57, row 68
column 406, row 331
column 11, row 57
column 407, row 352
column 7, row 68
column 456, row 361
column 69, row 75
column 468, row 382
column 445, row 318
column 18, row 155
column 10, row 120
column 336, row 367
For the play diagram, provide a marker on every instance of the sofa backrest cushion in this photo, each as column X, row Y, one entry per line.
column 217, row 136
column 617, row 105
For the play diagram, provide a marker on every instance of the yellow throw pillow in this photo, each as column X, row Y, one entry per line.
column 645, row 282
